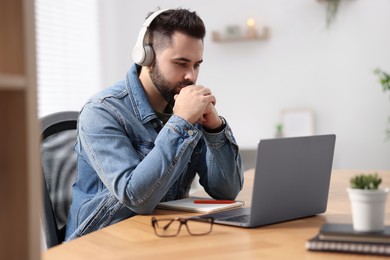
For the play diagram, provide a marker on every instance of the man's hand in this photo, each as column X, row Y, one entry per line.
column 210, row 118
column 196, row 104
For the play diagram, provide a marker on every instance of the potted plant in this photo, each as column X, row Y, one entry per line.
column 384, row 79
column 368, row 202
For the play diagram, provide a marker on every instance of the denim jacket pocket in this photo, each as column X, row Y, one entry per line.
column 100, row 217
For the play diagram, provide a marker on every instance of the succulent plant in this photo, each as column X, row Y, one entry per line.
column 366, row 181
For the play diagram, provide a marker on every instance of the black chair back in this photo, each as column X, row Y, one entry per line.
column 59, row 168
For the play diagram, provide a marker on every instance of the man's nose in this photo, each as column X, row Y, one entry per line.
column 190, row 75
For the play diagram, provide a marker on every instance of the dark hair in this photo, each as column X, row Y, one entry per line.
column 174, row 20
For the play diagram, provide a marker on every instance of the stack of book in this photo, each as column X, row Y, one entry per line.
column 343, row 238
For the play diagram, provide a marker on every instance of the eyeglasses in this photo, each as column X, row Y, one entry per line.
column 170, row 227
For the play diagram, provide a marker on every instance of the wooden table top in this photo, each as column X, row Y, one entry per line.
column 134, row 238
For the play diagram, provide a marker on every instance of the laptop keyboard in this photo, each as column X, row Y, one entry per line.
column 239, row 218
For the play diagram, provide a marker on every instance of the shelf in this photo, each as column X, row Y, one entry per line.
column 12, row 82
column 216, row 37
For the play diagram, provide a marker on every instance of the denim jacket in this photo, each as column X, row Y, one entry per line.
column 128, row 161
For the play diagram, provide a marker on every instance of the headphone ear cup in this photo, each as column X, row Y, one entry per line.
column 143, row 54
column 138, row 55
column 149, row 55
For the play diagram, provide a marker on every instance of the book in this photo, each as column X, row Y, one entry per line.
column 189, row 205
column 342, row 238
column 345, row 232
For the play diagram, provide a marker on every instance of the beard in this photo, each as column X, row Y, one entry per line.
column 167, row 90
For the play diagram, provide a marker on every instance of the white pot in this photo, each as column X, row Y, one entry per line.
column 368, row 209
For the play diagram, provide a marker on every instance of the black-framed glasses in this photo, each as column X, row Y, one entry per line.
column 170, row 227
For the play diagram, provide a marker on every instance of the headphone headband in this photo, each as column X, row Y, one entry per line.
column 143, row 54
column 150, row 19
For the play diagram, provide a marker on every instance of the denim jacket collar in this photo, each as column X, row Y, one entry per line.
column 142, row 109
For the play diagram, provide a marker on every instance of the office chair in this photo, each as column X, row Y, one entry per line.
column 59, row 162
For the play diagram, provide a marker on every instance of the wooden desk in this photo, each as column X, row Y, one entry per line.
column 134, row 238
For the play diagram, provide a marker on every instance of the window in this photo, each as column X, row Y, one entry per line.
column 68, row 62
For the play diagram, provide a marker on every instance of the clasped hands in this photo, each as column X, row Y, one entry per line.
column 197, row 104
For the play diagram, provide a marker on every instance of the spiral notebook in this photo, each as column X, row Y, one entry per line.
column 337, row 237
column 371, row 248
column 188, row 204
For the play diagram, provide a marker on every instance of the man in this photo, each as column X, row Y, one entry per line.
column 144, row 139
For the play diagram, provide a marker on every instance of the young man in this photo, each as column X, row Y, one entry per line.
column 144, row 139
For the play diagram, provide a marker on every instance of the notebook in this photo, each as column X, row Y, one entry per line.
column 292, row 178
column 188, row 204
column 345, row 232
column 354, row 247
column 337, row 237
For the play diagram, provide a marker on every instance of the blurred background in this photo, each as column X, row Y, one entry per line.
column 311, row 73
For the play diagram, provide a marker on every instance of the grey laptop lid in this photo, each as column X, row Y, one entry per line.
column 292, row 180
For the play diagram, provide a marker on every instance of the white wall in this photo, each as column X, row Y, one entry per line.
column 303, row 64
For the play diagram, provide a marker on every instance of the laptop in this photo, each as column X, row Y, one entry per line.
column 291, row 181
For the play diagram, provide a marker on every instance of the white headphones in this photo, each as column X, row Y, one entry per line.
column 143, row 54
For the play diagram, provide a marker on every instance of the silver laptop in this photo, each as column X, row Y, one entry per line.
column 292, row 180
